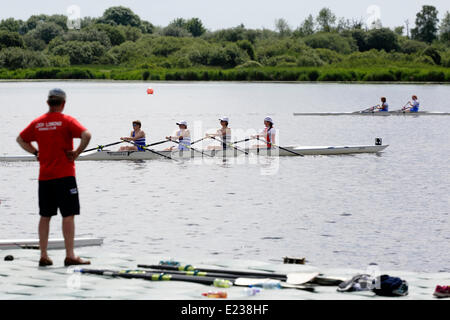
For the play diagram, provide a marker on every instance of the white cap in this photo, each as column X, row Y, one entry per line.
column 182, row 122
column 57, row 93
column 224, row 119
column 268, row 119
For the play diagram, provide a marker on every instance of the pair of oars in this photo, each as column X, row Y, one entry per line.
column 294, row 281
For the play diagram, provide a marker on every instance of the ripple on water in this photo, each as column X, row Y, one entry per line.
column 271, row 238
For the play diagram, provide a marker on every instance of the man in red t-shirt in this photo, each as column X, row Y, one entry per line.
column 54, row 133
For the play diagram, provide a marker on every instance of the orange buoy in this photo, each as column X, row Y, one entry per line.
column 150, row 91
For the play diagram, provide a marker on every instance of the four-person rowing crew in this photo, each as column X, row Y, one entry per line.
column 384, row 106
column 183, row 136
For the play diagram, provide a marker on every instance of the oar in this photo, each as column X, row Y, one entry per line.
column 147, row 149
column 218, row 282
column 274, row 145
column 229, row 144
column 291, row 278
column 189, row 147
column 156, row 143
column 403, row 108
column 243, row 140
column 223, row 271
column 370, row 109
column 198, row 140
column 100, row 147
column 213, row 273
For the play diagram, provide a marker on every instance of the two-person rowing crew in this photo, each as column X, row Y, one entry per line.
column 54, row 133
column 384, row 107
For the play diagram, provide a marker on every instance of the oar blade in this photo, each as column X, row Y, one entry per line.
column 301, row 278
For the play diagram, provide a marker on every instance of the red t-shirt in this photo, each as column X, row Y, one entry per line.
column 54, row 133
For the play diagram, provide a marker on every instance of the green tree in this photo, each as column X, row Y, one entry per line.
column 434, row 54
column 399, row 30
column 147, row 27
column 426, row 24
column 80, row 52
column 11, row 25
column 10, row 39
column 326, row 20
column 131, row 33
column 282, row 27
column 247, row 47
column 116, row 35
column 444, row 29
column 35, row 20
column 175, row 31
column 16, row 58
column 306, row 28
column 360, row 38
column 382, row 39
column 195, row 27
column 330, row 41
column 121, row 16
column 47, row 31
column 34, row 43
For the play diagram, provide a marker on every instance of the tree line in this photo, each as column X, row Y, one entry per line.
column 120, row 38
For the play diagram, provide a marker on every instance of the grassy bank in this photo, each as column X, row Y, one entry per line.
column 388, row 74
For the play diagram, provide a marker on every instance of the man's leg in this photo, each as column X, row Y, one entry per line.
column 68, row 226
column 44, row 230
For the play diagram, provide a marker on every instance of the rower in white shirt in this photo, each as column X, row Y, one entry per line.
column 268, row 134
column 183, row 136
column 224, row 134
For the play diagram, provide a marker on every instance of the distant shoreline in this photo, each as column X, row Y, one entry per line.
column 401, row 75
column 230, row 81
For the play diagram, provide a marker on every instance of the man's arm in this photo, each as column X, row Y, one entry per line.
column 85, row 138
column 27, row 146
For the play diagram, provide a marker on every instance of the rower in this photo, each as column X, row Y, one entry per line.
column 384, row 106
column 224, row 133
column 183, row 136
column 268, row 134
column 137, row 136
column 413, row 106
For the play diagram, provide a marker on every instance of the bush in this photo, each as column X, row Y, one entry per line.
column 278, row 60
column 382, row 39
column 88, row 35
column 247, row 47
column 424, row 60
column 18, row 58
column 33, row 43
column 174, row 31
column 10, row 39
column 250, row 64
column 309, row 61
column 116, row 35
column 328, row 56
column 80, row 52
column 433, row 54
column 411, row 46
column 121, row 16
column 330, row 41
column 131, row 33
column 47, row 31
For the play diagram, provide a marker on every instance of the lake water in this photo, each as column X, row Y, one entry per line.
column 337, row 211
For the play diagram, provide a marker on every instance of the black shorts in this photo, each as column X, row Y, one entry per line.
column 59, row 193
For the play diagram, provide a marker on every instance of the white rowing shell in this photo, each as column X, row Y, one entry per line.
column 147, row 155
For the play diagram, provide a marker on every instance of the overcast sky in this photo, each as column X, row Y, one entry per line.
column 230, row 13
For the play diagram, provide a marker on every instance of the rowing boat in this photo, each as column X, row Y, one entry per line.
column 361, row 113
column 106, row 155
column 52, row 243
